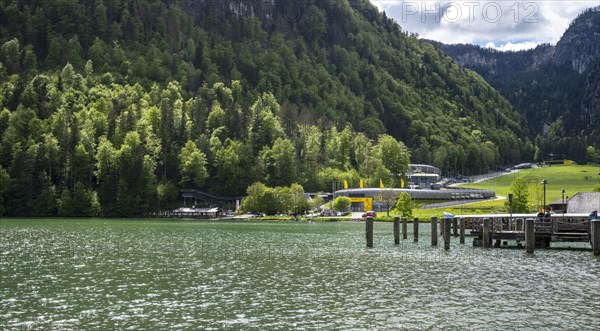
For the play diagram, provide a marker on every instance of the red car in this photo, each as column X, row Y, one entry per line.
column 369, row 214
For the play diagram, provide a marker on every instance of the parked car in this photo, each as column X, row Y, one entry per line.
column 370, row 214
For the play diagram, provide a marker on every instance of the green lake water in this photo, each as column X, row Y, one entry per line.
column 197, row 275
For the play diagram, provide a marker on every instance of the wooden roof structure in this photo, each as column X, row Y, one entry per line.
column 584, row 202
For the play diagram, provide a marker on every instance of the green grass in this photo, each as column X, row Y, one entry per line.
column 573, row 179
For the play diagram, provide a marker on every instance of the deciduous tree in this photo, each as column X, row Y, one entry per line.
column 520, row 190
column 341, row 204
column 405, row 205
column 192, row 165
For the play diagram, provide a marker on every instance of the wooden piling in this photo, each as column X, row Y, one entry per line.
column 487, row 238
column 416, row 229
column 529, row 235
column 442, row 220
column 434, row 236
column 369, row 230
column 455, row 226
column 404, row 228
column 447, row 224
column 519, row 224
column 462, row 230
column 397, row 230
column 595, row 236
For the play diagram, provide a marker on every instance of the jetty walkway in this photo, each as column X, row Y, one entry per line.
column 534, row 231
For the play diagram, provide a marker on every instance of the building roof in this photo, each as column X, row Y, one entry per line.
column 426, row 168
column 420, row 174
column 198, row 210
column 584, row 202
column 558, row 202
column 454, row 194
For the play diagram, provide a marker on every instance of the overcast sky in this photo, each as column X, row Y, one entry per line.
column 504, row 25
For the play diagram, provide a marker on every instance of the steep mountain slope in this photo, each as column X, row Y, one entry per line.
column 554, row 87
column 259, row 90
column 340, row 59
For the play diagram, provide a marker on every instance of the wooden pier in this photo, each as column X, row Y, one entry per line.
column 498, row 229
column 502, row 228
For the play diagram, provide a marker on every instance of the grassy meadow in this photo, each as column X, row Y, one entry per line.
column 571, row 178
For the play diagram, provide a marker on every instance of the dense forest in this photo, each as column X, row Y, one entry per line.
column 111, row 106
column 554, row 87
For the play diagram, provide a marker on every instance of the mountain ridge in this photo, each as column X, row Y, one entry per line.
column 553, row 86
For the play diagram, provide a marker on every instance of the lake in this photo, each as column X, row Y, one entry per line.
column 108, row 274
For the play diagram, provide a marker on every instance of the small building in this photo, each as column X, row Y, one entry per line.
column 422, row 176
column 198, row 212
column 584, row 202
column 558, row 206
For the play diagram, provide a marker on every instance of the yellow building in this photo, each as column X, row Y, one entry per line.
column 367, row 203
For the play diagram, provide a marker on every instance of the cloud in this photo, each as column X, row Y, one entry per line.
column 512, row 46
column 509, row 24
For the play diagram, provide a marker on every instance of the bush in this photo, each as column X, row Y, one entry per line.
column 341, row 203
column 405, row 205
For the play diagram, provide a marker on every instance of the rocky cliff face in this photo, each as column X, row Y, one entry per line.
column 580, row 44
column 591, row 101
column 475, row 57
column 261, row 9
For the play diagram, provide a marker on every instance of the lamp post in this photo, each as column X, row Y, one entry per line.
column 544, row 182
column 510, row 201
column 563, row 200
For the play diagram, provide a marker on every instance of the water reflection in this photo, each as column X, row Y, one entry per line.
column 197, row 275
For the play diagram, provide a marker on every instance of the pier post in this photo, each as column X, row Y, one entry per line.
column 462, row 230
column 369, row 229
column 442, row 220
column 447, row 224
column 416, row 229
column 529, row 235
column 434, row 236
column 442, row 226
column 519, row 224
column 397, row 230
column 455, row 226
column 487, row 238
column 404, row 228
column 595, row 235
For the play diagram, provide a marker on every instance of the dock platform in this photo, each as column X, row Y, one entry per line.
column 505, row 227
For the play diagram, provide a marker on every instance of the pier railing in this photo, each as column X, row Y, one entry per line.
column 559, row 228
column 532, row 230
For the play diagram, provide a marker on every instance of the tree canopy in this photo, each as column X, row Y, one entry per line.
column 124, row 102
column 520, row 190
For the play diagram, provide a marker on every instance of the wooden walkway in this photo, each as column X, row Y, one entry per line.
column 534, row 231
column 555, row 228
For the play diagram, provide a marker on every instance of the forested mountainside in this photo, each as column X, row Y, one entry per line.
column 119, row 103
column 555, row 87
